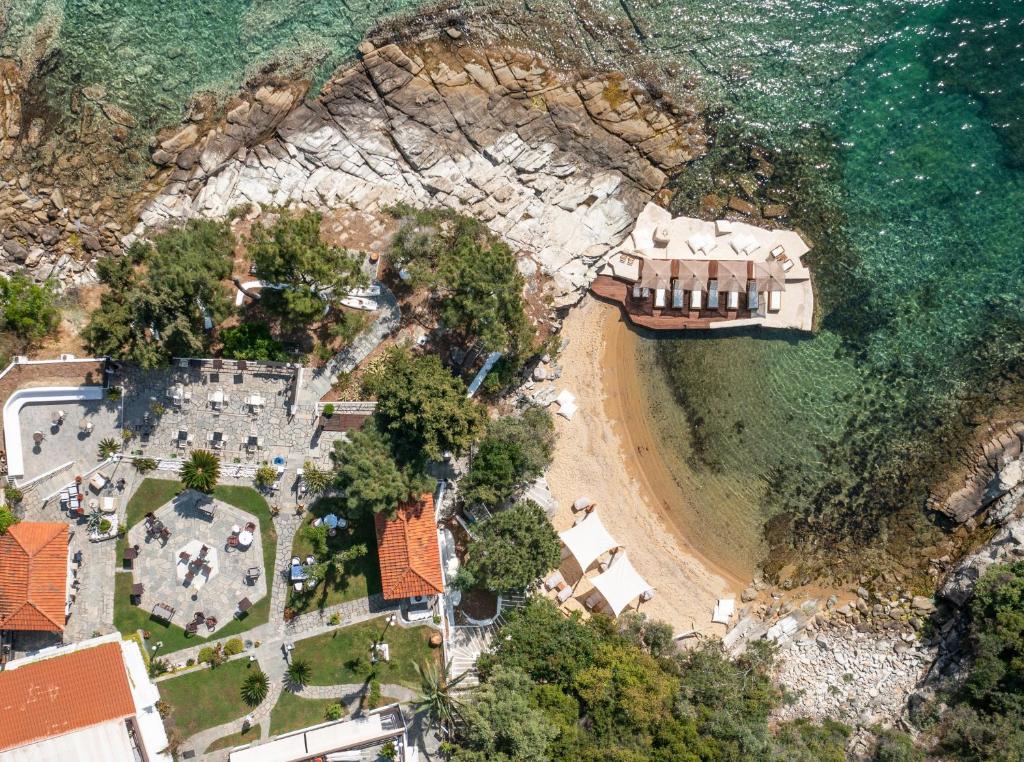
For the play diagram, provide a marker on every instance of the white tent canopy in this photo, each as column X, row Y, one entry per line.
column 621, row 584
column 588, row 540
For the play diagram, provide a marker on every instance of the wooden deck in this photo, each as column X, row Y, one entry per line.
column 642, row 313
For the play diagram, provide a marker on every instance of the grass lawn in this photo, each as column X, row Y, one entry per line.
column 343, row 655
column 129, row 618
column 360, row 577
column 236, row 739
column 208, row 697
column 291, row 712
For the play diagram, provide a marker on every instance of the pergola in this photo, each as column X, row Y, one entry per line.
column 588, row 540
column 621, row 584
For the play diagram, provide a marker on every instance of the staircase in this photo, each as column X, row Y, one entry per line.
column 468, row 642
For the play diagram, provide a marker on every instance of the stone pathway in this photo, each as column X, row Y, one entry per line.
column 318, row 382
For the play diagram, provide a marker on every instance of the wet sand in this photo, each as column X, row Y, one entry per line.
column 609, row 453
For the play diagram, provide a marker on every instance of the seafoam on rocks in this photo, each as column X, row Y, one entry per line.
column 560, row 169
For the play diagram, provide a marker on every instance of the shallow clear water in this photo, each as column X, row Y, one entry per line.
column 908, row 116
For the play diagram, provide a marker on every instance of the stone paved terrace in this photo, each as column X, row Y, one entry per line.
column 69, row 441
column 159, row 569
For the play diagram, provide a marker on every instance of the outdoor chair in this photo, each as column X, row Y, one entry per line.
column 253, row 573
column 554, row 580
column 191, row 628
column 564, row 594
column 183, row 556
column 205, row 569
column 200, row 616
column 211, row 623
column 233, row 541
column 250, row 527
column 593, row 601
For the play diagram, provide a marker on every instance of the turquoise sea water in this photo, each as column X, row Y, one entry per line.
column 899, row 142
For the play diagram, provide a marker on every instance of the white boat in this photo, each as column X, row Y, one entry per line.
column 359, row 303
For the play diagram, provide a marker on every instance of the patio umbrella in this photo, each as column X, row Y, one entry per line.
column 331, row 521
column 732, row 276
column 770, row 276
column 656, row 273
column 693, row 276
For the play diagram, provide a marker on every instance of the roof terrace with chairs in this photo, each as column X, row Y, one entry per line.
column 685, row 273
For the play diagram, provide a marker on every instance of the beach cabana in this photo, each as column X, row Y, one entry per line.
column 588, row 540
column 621, row 584
column 656, row 273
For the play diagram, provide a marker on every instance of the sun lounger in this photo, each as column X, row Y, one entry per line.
column 712, row 294
column 788, row 265
column 659, row 297
column 752, row 295
column 564, row 594
column 554, row 580
column 774, row 301
column 593, row 601
column 677, row 298
column 582, row 503
column 732, row 300
column 695, row 299
column 778, row 252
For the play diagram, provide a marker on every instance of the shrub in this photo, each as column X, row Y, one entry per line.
column 206, row 655
column 373, row 701
column 514, row 451
column 14, row 495
column 104, row 526
column 251, row 341
column 255, row 688
column 334, row 620
column 27, row 309
column 158, row 667
column 334, row 712
column 328, row 410
column 201, row 471
column 265, row 476
column 114, row 393
column 233, row 646
column 145, row 465
column 299, row 672
column 389, row 750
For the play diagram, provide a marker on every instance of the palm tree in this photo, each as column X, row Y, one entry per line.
column 201, row 471
column 108, row 447
column 255, row 688
column 298, row 672
column 437, row 695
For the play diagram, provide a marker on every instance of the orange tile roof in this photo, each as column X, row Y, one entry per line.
column 62, row 694
column 33, row 576
column 410, row 561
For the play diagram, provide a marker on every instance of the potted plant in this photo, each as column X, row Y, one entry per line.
column 328, row 410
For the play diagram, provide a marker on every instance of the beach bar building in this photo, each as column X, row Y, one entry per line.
column 686, row 273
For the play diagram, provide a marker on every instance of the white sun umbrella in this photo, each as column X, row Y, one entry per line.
column 621, row 584
column 588, row 540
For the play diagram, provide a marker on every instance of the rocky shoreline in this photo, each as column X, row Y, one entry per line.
column 556, row 165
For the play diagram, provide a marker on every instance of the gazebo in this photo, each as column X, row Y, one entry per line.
column 588, row 540
column 621, row 584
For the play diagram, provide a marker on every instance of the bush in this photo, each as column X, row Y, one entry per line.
column 328, row 410
column 265, row 476
column 334, row 712
column 14, row 495
column 104, row 526
column 145, row 465
column 27, row 309
column 114, row 393
column 334, row 620
column 233, row 646
column 513, row 452
column 373, row 700
column 158, row 667
column 206, row 655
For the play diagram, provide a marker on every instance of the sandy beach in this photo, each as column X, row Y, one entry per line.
column 608, row 453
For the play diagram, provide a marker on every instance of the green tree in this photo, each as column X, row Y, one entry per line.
column 292, row 253
column 255, row 688
column 201, row 471
column 513, row 452
column 162, row 296
column 511, row 549
column 251, row 341
column 501, row 720
column 7, row 518
column 370, row 477
column 422, row 406
column 479, row 287
column 144, row 465
column 28, row 309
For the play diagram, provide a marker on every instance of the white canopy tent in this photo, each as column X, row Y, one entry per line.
column 621, row 584
column 588, row 540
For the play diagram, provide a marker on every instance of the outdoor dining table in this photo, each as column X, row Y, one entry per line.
column 245, row 538
column 85, row 425
column 299, row 573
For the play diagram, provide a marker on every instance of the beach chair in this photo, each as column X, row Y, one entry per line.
column 712, row 294
column 774, row 301
column 732, row 300
column 659, row 298
column 695, row 299
column 564, row 594
column 554, row 580
column 593, row 601
column 752, row 302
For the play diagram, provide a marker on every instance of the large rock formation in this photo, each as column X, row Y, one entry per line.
column 557, row 165
column 994, row 469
